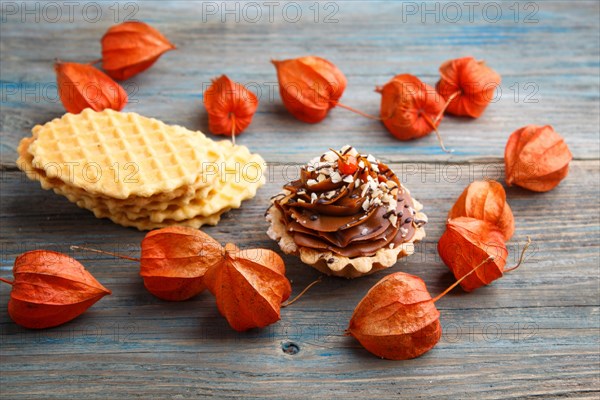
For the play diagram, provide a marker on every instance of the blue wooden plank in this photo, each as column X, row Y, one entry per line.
column 533, row 333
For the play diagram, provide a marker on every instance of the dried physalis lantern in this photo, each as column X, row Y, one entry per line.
column 469, row 86
column 249, row 286
column 536, row 158
column 411, row 109
column 485, row 200
column 174, row 261
column 82, row 86
column 465, row 243
column 230, row 107
column 309, row 86
column 130, row 48
column 397, row 319
column 49, row 289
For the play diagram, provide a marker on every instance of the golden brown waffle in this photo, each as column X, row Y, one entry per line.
column 59, row 187
column 239, row 174
column 143, row 223
column 25, row 162
column 135, row 204
column 156, row 202
column 119, row 155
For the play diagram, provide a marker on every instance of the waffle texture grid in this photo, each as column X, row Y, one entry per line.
column 218, row 176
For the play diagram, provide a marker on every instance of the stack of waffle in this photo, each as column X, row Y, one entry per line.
column 138, row 171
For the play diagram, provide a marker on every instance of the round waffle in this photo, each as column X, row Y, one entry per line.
column 230, row 175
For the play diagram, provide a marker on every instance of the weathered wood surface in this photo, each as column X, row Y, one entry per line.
column 532, row 334
column 556, row 56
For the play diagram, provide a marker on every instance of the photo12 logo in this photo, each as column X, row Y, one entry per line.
column 469, row 11
column 253, row 12
column 67, row 11
column 49, row 92
column 489, row 332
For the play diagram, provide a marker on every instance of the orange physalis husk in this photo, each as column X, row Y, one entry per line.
column 465, row 243
column 309, row 86
column 130, row 48
column 50, row 289
column 82, row 86
column 174, row 261
column 230, row 106
column 468, row 85
column 410, row 109
column 397, row 319
column 177, row 263
column 249, row 286
column 536, row 158
column 485, row 200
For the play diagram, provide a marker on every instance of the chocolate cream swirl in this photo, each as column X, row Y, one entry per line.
column 352, row 215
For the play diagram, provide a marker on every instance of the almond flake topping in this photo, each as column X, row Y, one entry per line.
column 365, row 205
column 336, row 177
column 372, row 192
column 330, row 156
